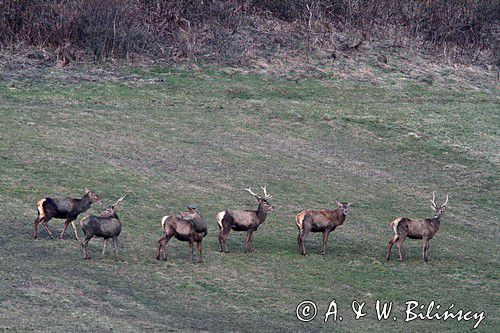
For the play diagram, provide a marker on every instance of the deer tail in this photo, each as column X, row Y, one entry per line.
column 220, row 217
column 40, row 209
column 394, row 224
column 299, row 218
column 163, row 221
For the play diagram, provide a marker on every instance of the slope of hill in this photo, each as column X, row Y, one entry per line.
column 167, row 138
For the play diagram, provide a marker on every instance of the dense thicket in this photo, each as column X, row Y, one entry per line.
column 227, row 30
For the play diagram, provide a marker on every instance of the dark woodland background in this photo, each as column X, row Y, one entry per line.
column 235, row 32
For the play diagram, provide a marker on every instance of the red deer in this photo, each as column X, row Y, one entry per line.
column 107, row 225
column 423, row 229
column 67, row 208
column 244, row 220
column 187, row 226
column 324, row 221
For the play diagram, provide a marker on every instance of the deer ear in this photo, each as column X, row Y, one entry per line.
column 87, row 190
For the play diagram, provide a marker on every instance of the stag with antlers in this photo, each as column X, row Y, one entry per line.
column 423, row 229
column 244, row 220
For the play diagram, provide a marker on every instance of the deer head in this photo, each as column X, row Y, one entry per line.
column 191, row 213
column 344, row 206
column 93, row 196
column 264, row 204
column 110, row 211
column 438, row 209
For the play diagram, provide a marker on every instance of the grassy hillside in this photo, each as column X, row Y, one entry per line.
column 169, row 138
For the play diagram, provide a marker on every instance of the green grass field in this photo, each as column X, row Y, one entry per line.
column 168, row 138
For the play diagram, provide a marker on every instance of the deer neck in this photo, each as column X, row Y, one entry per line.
column 84, row 203
column 261, row 215
column 435, row 222
column 339, row 214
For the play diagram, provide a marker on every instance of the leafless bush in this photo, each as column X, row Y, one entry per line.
column 223, row 30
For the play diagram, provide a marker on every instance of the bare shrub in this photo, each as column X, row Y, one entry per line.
column 224, row 30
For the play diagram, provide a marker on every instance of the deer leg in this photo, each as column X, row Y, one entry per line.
column 224, row 239
column 251, row 241
column 66, row 223
column 46, row 226
column 162, row 242
column 427, row 252
column 423, row 250
column 200, row 259
column 325, row 239
column 303, row 234
column 73, row 224
column 247, row 239
column 38, row 219
column 299, row 242
column 115, row 245
column 191, row 246
column 85, row 247
column 104, row 243
column 220, row 240
column 167, row 238
column 389, row 248
column 36, row 226
column 398, row 245
column 162, row 245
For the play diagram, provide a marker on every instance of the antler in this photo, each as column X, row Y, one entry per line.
column 266, row 195
column 254, row 194
column 434, row 204
column 119, row 200
column 445, row 201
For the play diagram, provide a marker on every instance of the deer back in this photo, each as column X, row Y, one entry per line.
column 243, row 218
column 105, row 227
column 417, row 228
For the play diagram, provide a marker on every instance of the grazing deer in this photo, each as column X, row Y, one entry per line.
column 423, row 229
column 244, row 220
column 67, row 208
column 107, row 225
column 324, row 221
column 187, row 226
